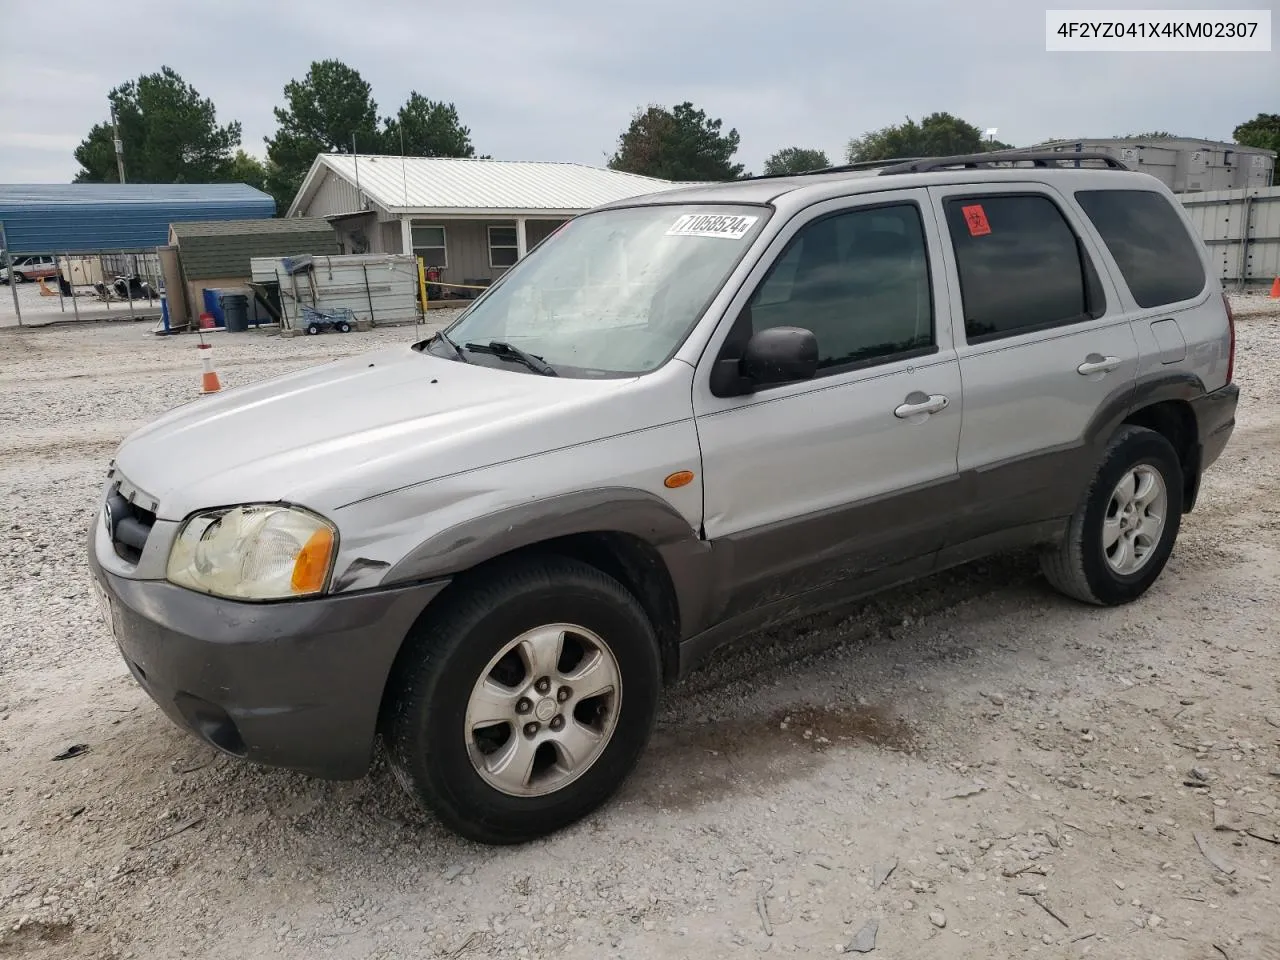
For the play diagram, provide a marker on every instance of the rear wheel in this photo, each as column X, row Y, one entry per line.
column 525, row 702
column 343, row 326
column 1122, row 534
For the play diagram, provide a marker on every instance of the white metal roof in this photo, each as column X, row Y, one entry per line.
column 451, row 185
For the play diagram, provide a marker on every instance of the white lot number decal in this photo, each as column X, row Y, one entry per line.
column 711, row 225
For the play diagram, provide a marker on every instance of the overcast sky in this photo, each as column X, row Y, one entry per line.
column 560, row 80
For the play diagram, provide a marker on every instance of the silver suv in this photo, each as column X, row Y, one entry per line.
column 678, row 419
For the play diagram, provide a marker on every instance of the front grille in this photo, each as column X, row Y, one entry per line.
column 129, row 515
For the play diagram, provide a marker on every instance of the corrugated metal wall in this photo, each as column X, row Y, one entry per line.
column 392, row 240
column 1241, row 229
column 383, row 288
column 467, row 243
column 335, row 195
column 1182, row 165
column 45, row 220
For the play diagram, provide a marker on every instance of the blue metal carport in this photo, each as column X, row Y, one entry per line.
column 81, row 218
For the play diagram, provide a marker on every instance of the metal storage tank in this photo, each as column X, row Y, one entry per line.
column 1182, row 164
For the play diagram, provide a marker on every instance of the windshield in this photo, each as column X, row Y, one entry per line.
column 612, row 293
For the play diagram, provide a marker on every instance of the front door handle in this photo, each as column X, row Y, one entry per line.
column 1096, row 363
column 919, row 404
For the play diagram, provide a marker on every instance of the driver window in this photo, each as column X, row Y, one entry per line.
column 859, row 280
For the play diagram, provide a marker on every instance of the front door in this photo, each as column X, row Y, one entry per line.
column 809, row 485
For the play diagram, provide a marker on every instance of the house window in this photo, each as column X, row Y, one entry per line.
column 503, row 249
column 428, row 243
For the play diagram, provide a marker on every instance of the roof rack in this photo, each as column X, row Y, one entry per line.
column 975, row 160
column 866, row 165
column 841, row 168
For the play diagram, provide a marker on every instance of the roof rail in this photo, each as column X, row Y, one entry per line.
column 974, row 160
column 866, row 165
column 841, row 168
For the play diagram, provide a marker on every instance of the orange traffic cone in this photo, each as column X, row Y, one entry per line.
column 1275, row 289
column 209, row 382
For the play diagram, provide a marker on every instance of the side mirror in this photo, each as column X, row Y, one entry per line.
column 780, row 355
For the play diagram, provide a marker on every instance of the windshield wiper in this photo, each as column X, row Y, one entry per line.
column 508, row 351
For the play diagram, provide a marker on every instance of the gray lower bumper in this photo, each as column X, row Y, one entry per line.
column 295, row 684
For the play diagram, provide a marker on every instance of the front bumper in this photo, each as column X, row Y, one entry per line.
column 295, row 684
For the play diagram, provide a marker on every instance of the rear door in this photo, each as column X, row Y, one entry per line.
column 1179, row 319
column 1044, row 343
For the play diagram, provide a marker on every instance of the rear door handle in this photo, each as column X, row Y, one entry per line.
column 1096, row 363
column 919, row 404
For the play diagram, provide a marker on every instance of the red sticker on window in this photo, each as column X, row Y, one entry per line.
column 976, row 217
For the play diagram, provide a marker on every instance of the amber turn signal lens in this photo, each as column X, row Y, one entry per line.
column 312, row 565
column 679, row 479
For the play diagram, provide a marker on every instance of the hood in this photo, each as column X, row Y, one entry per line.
column 338, row 432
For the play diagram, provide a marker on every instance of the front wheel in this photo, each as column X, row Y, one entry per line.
column 1120, row 537
column 525, row 701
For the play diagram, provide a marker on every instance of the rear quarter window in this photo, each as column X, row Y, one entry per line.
column 1156, row 254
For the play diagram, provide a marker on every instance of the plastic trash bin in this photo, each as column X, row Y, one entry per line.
column 236, row 308
column 213, row 306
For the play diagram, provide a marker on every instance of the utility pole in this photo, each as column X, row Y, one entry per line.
column 115, row 134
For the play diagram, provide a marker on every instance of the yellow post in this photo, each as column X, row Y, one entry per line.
column 422, row 284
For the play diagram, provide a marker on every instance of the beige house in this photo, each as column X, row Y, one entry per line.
column 470, row 218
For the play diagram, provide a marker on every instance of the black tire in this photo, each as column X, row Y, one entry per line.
column 1078, row 567
column 445, row 656
column 343, row 327
column 313, row 328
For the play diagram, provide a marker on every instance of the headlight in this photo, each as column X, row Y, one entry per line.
column 254, row 552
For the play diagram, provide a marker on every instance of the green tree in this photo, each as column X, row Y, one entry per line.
column 429, row 129
column 323, row 113
column 246, row 169
column 170, row 134
column 937, row 135
column 1153, row 135
column 677, row 144
column 796, row 160
column 1263, row 131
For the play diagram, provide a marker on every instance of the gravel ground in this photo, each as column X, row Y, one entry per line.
column 971, row 767
column 40, row 310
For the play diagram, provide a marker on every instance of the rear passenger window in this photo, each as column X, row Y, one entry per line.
column 1021, row 266
column 1150, row 244
column 858, row 280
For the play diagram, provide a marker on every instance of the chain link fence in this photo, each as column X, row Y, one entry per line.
column 48, row 287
